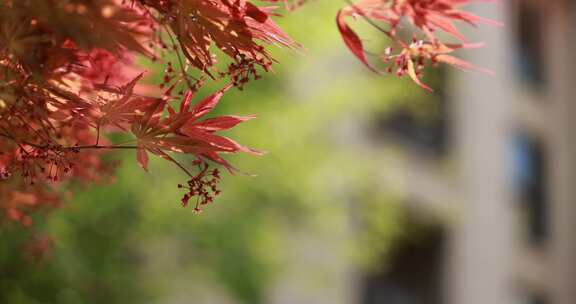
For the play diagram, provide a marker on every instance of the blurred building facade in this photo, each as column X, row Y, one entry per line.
column 490, row 181
column 508, row 199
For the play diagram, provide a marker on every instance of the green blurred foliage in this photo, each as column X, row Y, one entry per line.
column 132, row 242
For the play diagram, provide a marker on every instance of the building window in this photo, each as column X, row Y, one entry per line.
column 538, row 299
column 413, row 269
column 419, row 123
column 530, row 181
column 529, row 57
column 534, row 297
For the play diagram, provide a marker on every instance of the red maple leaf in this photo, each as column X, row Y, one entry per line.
column 185, row 131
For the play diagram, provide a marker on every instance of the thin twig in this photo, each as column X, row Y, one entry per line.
column 180, row 62
column 372, row 23
column 67, row 147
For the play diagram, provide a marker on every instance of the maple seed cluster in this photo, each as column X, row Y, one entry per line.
column 203, row 186
column 50, row 161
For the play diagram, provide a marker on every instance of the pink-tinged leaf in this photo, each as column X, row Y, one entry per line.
column 153, row 113
column 142, row 158
column 255, row 13
column 220, row 142
column 446, row 26
column 270, row 32
column 213, row 156
column 128, row 88
column 221, row 123
column 449, row 47
column 474, row 19
column 168, row 91
column 207, row 104
column 183, row 144
column 185, row 105
column 461, row 64
column 351, row 39
column 412, row 73
column 171, row 112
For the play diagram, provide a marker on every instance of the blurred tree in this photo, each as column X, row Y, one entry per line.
column 128, row 243
column 111, row 241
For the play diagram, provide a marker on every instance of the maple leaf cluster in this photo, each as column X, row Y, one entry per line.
column 68, row 80
column 409, row 55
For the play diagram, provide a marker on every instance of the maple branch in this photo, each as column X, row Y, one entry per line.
column 19, row 143
column 98, row 133
column 96, row 146
column 171, row 159
column 111, row 147
column 180, row 62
